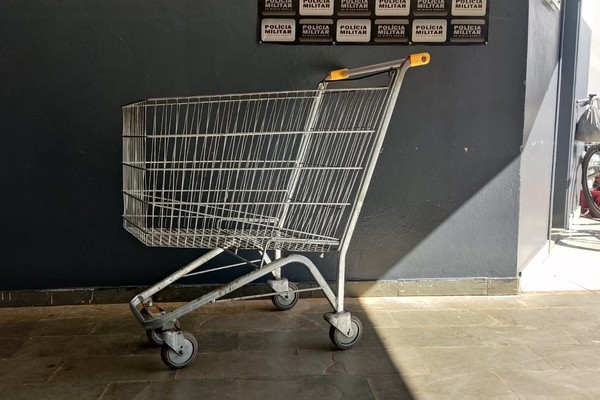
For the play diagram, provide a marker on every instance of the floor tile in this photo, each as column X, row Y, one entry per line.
column 80, row 346
column 460, row 385
column 116, row 325
column 113, row 369
column 515, row 335
column 56, row 327
column 371, row 339
column 390, row 387
column 379, row 362
column 564, row 299
column 31, row 313
column 257, row 364
column 14, row 328
column 379, row 319
column 10, row 346
column 79, row 391
column 540, row 317
column 454, row 360
column 458, row 302
column 284, row 340
column 570, row 356
column 335, row 387
column 317, row 387
column 28, row 369
column 205, row 389
column 552, row 384
column 418, row 337
column 258, row 322
column 93, row 311
column 225, row 341
column 264, row 388
column 439, row 318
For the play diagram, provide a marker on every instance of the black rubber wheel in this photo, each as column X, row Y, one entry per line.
column 343, row 342
column 288, row 300
column 154, row 338
column 185, row 356
column 590, row 177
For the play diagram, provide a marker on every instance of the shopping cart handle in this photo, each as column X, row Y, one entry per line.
column 414, row 60
column 418, row 59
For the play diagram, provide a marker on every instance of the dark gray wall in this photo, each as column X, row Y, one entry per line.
column 442, row 202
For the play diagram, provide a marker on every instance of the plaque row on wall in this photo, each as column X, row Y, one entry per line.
column 374, row 21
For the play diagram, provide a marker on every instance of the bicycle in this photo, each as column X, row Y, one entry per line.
column 590, row 168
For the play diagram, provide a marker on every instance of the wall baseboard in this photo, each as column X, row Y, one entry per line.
column 175, row 293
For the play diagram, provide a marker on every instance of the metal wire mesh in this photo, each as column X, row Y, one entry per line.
column 277, row 170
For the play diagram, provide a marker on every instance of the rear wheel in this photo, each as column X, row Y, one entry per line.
column 590, row 178
column 184, row 356
column 288, row 300
column 344, row 342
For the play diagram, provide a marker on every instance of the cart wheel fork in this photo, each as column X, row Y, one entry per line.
column 184, row 355
column 174, row 340
column 287, row 293
column 341, row 321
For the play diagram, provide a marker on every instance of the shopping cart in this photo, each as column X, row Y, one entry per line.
column 273, row 172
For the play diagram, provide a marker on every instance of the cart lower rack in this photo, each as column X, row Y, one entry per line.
column 272, row 172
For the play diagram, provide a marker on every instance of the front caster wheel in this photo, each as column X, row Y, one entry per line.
column 343, row 342
column 287, row 300
column 185, row 356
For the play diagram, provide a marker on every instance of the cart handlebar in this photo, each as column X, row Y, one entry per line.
column 414, row 60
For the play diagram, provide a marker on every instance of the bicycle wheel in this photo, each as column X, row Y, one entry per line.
column 590, row 177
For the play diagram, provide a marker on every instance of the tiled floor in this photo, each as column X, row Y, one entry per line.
column 528, row 346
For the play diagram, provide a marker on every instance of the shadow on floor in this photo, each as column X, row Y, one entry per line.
column 247, row 351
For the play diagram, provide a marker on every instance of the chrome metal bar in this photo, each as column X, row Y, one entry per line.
column 301, row 154
column 163, row 320
column 395, row 85
column 148, row 293
column 262, row 296
column 370, row 69
column 206, row 271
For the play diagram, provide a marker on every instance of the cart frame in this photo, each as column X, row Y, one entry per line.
column 179, row 348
